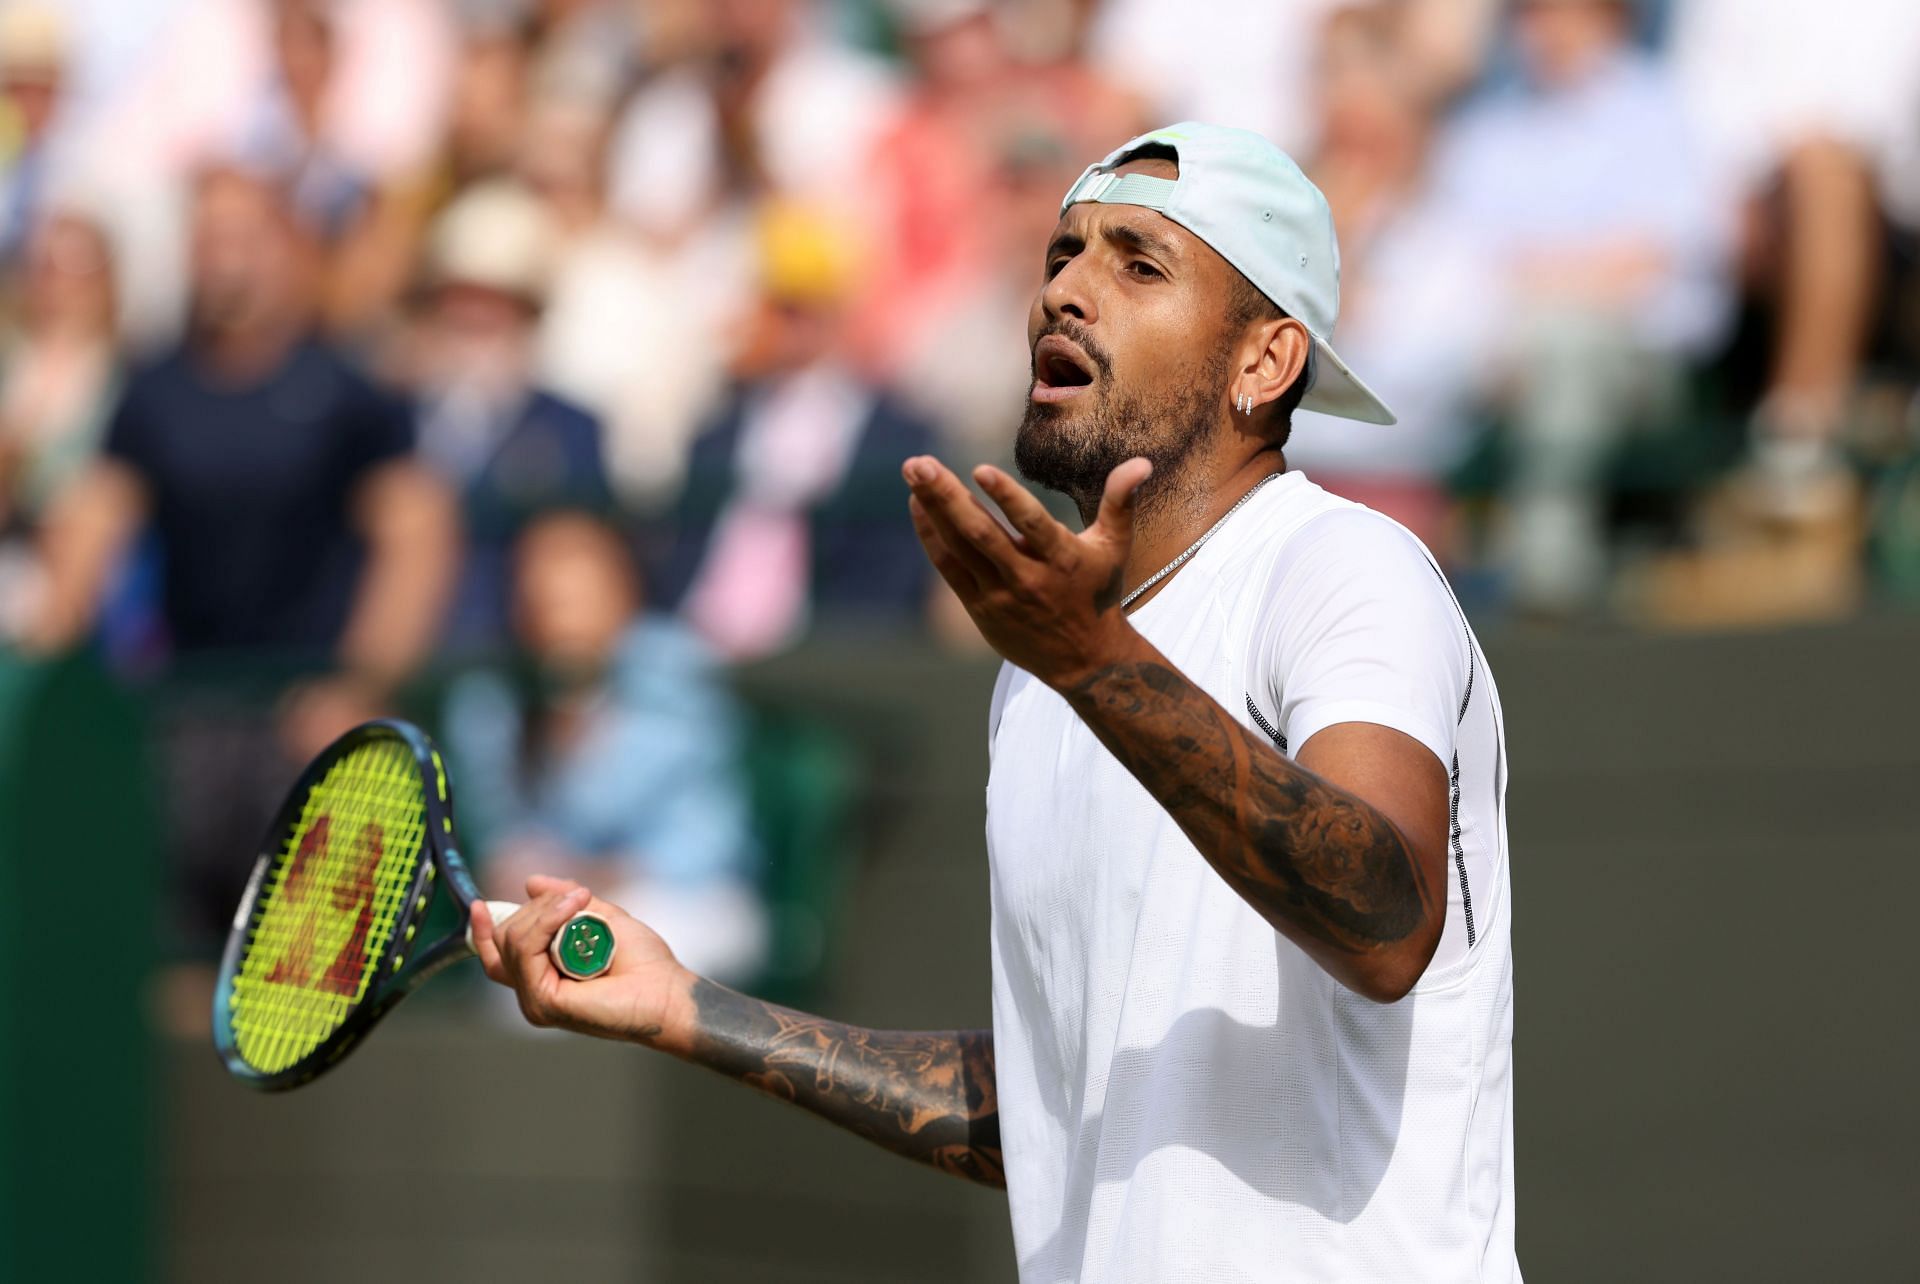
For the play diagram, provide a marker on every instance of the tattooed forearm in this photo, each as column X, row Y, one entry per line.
column 1312, row 858
column 926, row 1095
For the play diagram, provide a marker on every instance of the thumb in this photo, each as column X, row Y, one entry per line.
column 1115, row 519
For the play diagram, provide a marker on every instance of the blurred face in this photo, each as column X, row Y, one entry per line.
column 1367, row 105
column 33, row 93
column 1132, row 348
column 575, row 593
column 781, row 337
column 69, row 278
column 564, row 158
column 1561, row 40
column 488, row 90
column 303, row 46
column 749, row 31
column 248, row 258
column 962, row 54
column 478, row 339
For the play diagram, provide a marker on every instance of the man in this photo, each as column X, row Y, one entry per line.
column 790, row 513
column 1252, row 982
column 507, row 446
column 292, row 526
column 1602, row 290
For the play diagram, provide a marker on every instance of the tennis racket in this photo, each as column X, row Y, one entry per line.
column 326, row 939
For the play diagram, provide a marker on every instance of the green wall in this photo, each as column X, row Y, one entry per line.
column 1715, row 856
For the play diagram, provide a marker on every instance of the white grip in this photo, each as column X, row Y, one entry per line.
column 501, row 911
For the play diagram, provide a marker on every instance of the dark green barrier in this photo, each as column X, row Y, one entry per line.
column 1714, row 850
column 78, row 856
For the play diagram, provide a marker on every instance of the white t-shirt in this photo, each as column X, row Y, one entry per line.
column 1184, row 1094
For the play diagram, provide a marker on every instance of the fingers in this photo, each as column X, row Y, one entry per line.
column 522, row 944
column 539, row 885
column 533, row 928
column 480, row 928
column 1043, row 535
column 954, row 569
column 1115, row 519
column 970, row 531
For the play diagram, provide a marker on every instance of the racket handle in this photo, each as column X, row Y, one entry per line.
column 581, row 949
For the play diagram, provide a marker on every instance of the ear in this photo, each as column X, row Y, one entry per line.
column 1276, row 354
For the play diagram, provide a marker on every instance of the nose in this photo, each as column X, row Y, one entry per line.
column 1070, row 293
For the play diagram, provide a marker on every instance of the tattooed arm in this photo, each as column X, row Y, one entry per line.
column 1342, row 850
column 1349, row 880
column 929, row 1096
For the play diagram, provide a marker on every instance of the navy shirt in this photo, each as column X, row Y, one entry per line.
column 251, row 487
column 545, row 456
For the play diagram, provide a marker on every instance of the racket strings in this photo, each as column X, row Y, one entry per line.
column 330, row 905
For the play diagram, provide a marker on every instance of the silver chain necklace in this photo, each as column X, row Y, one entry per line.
column 1194, row 547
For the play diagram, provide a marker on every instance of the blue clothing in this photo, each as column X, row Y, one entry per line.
column 655, row 780
column 252, row 487
column 866, row 560
column 1533, row 170
column 546, row 456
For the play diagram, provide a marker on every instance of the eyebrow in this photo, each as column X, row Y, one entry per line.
column 1143, row 242
column 1124, row 235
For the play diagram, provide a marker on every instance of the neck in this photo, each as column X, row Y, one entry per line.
column 1169, row 521
column 245, row 353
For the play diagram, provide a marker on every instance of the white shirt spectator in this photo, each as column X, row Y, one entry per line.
column 1762, row 76
column 815, row 119
column 1245, row 63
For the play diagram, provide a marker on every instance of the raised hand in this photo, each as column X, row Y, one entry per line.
column 1045, row 598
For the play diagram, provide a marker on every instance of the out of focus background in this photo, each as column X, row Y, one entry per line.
column 541, row 369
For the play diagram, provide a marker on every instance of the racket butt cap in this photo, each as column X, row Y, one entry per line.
column 583, row 948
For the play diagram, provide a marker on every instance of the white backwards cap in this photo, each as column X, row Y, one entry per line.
column 1248, row 200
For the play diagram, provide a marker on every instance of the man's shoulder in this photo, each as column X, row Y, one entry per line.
column 1325, row 549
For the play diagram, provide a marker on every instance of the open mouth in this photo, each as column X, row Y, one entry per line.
column 1060, row 369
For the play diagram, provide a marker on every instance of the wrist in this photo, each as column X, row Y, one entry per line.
column 677, row 1029
column 1117, row 643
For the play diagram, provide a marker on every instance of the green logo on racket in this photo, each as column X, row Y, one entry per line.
column 584, row 947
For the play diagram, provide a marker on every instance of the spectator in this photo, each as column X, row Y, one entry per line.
column 792, row 506
column 347, row 97
column 633, row 331
column 1591, row 205
column 614, row 758
column 767, row 105
column 975, row 131
column 508, row 447
column 289, row 518
column 1808, row 120
column 59, row 373
column 32, row 76
column 1413, row 283
column 1250, row 62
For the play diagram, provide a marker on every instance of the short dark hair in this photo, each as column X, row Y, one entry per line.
column 1247, row 305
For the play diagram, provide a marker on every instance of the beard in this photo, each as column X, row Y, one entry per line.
column 1072, row 448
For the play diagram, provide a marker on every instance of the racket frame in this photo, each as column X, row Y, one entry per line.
column 399, row 973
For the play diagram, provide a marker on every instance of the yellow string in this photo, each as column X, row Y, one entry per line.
column 298, row 979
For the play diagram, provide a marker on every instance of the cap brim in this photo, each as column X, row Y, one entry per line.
column 1338, row 391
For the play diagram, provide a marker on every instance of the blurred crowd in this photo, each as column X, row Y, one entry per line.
column 572, row 346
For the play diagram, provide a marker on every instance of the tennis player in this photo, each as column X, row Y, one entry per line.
column 1252, row 1010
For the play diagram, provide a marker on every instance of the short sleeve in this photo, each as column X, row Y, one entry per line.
column 1359, row 626
column 129, row 436
column 380, row 427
